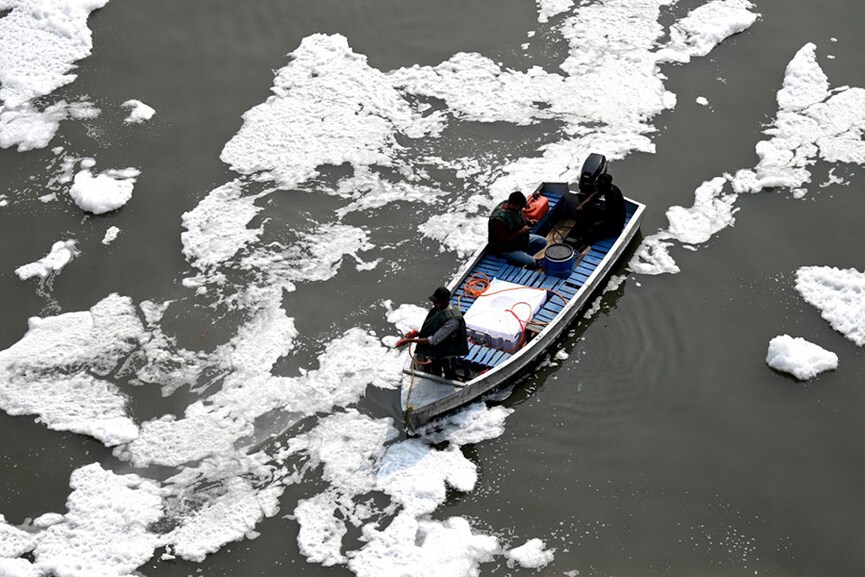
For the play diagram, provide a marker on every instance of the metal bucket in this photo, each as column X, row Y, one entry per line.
column 559, row 260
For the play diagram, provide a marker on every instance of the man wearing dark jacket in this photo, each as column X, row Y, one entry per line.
column 442, row 337
column 600, row 223
column 509, row 233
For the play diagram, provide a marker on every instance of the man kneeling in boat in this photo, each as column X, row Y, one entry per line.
column 442, row 338
column 509, row 233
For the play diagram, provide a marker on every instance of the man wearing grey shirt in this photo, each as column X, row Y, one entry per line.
column 442, row 338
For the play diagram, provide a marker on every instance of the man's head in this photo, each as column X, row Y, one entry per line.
column 517, row 199
column 440, row 297
column 605, row 182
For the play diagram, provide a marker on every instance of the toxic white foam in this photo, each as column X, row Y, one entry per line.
column 350, row 447
column 802, row 359
column 159, row 360
column 839, row 295
column 110, row 235
column 812, row 123
column 405, row 317
column 423, row 547
column 348, row 365
column 62, row 252
column 414, row 474
column 50, row 371
column 138, row 112
column 229, row 516
column 27, row 127
column 107, row 191
column 314, row 257
column 369, row 191
column 705, row 27
column 550, row 8
column 312, row 119
column 217, row 229
column 106, row 531
column 39, row 46
column 247, row 359
column 531, row 555
column 13, row 541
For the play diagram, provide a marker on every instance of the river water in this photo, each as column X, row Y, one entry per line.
column 654, row 440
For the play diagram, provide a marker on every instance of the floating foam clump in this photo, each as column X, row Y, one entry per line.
column 216, row 229
column 705, row 27
column 39, row 45
column 328, row 107
column 231, row 516
column 13, row 541
column 474, row 424
column 104, row 192
column 50, row 371
column 62, row 253
column 802, row 359
column 350, row 446
column 549, row 8
column 110, row 235
column 839, row 294
column 138, row 112
column 531, row 555
column 106, row 532
column 18, row 568
column 422, row 548
column 27, row 128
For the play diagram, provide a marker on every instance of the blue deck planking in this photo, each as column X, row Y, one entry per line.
column 604, row 245
column 591, row 260
column 485, row 357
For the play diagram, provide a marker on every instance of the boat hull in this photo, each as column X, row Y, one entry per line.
column 426, row 397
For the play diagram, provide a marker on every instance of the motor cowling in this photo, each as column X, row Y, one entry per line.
column 594, row 166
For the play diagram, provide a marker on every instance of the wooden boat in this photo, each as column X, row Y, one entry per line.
column 426, row 396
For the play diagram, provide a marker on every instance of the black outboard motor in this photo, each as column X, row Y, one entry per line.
column 594, row 166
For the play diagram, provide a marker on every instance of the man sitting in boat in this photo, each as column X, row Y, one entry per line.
column 598, row 223
column 509, row 233
column 442, row 337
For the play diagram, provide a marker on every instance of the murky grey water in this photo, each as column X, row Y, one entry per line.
column 663, row 445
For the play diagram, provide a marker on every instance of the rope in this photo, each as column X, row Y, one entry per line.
column 414, row 358
column 408, row 405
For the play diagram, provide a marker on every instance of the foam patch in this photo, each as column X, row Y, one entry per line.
column 104, row 192
column 802, row 359
column 531, row 555
column 106, row 530
column 50, row 371
column 138, row 112
column 839, row 295
column 62, row 252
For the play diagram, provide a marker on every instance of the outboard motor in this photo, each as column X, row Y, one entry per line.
column 594, row 166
